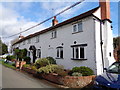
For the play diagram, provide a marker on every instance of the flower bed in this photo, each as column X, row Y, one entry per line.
column 70, row 81
column 29, row 70
column 52, row 77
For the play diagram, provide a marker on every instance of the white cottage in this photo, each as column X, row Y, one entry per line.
column 84, row 40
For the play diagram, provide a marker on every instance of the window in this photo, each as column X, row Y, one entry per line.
column 39, row 53
column 78, row 51
column 54, row 34
column 77, row 27
column 60, row 52
column 37, row 39
column 29, row 41
column 28, row 53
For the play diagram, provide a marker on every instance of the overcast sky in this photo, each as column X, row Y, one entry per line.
column 16, row 14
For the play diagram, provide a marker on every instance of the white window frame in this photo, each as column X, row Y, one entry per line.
column 76, row 27
column 28, row 53
column 74, row 55
column 59, row 49
column 54, row 34
column 37, row 39
column 38, row 53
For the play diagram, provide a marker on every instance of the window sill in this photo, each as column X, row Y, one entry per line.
column 78, row 59
column 77, row 32
column 53, row 37
column 59, row 58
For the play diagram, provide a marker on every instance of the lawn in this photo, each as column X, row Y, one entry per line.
column 7, row 64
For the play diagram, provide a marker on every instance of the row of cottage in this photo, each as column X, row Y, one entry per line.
column 84, row 40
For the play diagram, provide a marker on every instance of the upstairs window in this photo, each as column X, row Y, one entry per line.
column 54, row 34
column 37, row 39
column 77, row 27
column 60, row 52
column 78, row 51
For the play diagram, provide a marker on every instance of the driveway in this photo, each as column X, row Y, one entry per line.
column 15, row 79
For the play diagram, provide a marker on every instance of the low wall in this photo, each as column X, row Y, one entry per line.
column 70, row 81
column 28, row 70
column 77, row 82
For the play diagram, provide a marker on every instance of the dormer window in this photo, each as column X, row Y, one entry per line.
column 77, row 27
column 54, row 34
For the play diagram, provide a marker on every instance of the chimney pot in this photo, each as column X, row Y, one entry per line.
column 54, row 21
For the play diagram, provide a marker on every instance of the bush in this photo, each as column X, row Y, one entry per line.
column 41, row 62
column 26, row 66
column 85, row 71
column 52, row 68
column 10, row 57
column 76, row 74
column 51, row 60
column 27, row 59
column 34, row 68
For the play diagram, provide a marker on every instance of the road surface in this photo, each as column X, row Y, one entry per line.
column 16, row 79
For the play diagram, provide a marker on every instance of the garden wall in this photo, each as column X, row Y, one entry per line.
column 70, row 81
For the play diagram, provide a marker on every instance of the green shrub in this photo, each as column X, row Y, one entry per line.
column 13, row 64
column 76, row 74
column 27, row 59
column 27, row 66
column 85, row 71
column 41, row 62
column 52, row 68
column 51, row 60
column 34, row 68
column 10, row 57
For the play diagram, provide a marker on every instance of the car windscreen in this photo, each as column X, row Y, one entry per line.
column 114, row 68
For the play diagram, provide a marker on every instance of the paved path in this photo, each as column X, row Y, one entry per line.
column 16, row 79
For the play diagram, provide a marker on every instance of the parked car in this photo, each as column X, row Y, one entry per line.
column 110, row 79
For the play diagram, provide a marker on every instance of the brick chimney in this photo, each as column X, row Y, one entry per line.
column 54, row 21
column 20, row 37
column 105, row 9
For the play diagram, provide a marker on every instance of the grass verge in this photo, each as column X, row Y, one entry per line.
column 7, row 65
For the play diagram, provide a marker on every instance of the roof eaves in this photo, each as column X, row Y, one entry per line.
column 81, row 16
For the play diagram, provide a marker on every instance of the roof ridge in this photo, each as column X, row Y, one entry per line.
column 83, row 15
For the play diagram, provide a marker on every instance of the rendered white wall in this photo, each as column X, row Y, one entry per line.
column 65, row 36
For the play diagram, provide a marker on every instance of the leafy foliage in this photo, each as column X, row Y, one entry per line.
column 52, row 68
column 26, row 65
column 85, row 71
column 20, row 53
column 3, row 48
column 51, row 60
column 27, row 59
column 41, row 62
column 116, row 42
column 10, row 57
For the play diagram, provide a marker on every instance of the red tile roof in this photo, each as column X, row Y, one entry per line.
column 81, row 16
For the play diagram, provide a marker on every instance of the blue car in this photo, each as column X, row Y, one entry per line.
column 109, row 79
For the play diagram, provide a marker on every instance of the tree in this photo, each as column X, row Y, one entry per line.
column 3, row 48
column 116, row 42
column 20, row 53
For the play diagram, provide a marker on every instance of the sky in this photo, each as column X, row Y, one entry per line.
column 18, row 15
